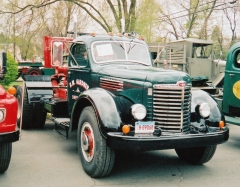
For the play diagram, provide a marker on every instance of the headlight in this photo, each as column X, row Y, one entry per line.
column 204, row 109
column 2, row 114
column 138, row 111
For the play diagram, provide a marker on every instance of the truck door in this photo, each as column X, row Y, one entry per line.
column 79, row 78
column 231, row 95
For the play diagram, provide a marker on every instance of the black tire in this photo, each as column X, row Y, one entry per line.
column 26, row 109
column 196, row 155
column 39, row 116
column 34, row 71
column 96, row 157
column 5, row 156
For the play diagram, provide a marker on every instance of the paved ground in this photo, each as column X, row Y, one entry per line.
column 44, row 159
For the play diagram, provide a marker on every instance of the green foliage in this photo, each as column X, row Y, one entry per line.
column 217, row 39
column 146, row 21
column 12, row 71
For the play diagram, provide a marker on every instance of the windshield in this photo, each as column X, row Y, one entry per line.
column 112, row 51
column 202, row 50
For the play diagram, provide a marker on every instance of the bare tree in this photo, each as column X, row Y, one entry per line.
column 232, row 14
column 119, row 8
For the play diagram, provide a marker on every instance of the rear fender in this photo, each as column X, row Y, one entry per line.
column 105, row 106
column 38, row 87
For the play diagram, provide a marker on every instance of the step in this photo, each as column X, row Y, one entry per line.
column 232, row 120
column 64, row 123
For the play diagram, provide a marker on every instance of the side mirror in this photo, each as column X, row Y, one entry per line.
column 57, row 55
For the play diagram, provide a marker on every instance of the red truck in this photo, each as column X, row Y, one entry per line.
column 8, row 119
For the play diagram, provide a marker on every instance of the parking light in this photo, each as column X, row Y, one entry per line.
column 221, row 124
column 126, row 129
column 12, row 90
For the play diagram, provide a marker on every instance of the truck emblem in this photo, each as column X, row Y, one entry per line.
column 181, row 83
column 236, row 89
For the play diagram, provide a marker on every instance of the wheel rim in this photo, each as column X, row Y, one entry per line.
column 87, row 141
column 19, row 107
column 34, row 73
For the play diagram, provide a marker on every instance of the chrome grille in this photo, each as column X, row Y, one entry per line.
column 111, row 84
column 171, row 107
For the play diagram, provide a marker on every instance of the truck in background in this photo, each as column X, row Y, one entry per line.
column 219, row 78
column 230, row 100
column 110, row 93
column 29, row 68
column 195, row 57
column 8, row 118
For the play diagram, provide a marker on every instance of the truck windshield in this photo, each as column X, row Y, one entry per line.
column 202, row 50
column 112, row 51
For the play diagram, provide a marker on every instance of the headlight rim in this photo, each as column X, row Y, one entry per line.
column 201, row 107
column 134, row 111
column 3, row 110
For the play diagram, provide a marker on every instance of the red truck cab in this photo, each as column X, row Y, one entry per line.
column 8, row 119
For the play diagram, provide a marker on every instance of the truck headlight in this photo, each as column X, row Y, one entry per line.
column 2, row 114
column 204, row 109
column 138, row 111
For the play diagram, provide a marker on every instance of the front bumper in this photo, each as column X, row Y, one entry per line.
column 149, row 142
column 9, row 137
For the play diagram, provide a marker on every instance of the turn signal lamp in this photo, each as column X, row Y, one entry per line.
column 12, row 90
column 93, row 34
column 111, row 33
column 221, row 124
column 126, row 129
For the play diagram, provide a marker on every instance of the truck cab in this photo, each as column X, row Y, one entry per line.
column 8, row 118
column 116, row 100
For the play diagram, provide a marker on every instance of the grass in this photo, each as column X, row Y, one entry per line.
column 17, row 82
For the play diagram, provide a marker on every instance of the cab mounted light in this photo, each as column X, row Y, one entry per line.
column 138, row 111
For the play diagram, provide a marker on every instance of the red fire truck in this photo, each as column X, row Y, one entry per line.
column 8, row 119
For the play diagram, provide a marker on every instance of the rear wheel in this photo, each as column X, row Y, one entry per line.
column 96, row 157
column 196, row 155
column 5, row 156
column 26, row 110
column 34, row 71
column 39, row 116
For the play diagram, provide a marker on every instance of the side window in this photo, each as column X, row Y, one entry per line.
column 237, row 59
column 80, row 56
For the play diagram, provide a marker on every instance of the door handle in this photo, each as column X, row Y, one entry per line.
column 231, row 75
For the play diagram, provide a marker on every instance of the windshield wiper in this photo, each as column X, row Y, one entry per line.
column 130, row 47
column 119, row 43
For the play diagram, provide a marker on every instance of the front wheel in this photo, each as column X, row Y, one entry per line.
column 5, row 156
column 196, row 155
column 96, row 157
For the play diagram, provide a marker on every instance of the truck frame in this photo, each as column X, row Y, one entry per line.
column 110, row 93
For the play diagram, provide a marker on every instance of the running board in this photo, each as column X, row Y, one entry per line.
column 64, row 124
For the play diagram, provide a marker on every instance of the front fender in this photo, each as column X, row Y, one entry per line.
column 104, row 105
column 216, row 115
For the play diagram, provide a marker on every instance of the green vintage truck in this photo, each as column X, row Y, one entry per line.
column 230, row 101
column 110, row 93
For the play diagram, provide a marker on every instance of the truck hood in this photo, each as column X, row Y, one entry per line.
column 145, row 73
